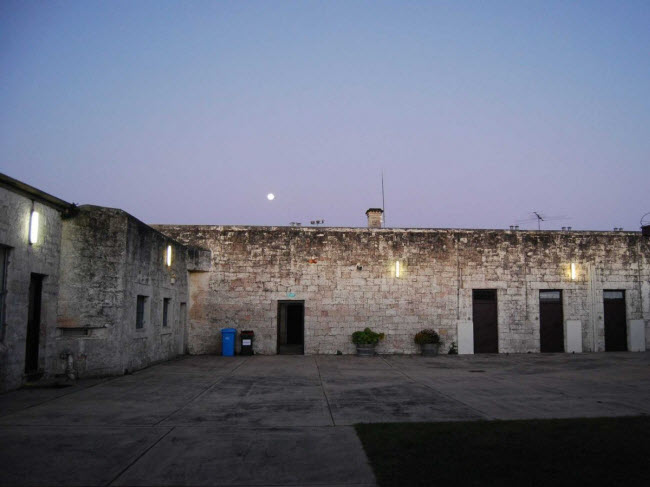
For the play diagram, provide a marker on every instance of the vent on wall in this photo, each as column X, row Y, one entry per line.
column 74, row 332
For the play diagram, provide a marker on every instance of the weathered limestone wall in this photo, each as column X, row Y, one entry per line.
column 254, row 267
column 108, row 259
column 41, row 257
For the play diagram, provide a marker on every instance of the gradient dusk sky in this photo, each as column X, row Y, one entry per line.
column 191, row 112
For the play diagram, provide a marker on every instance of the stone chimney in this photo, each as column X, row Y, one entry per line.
column 374, row 217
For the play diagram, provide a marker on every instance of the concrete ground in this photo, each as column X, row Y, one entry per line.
column 285, row 420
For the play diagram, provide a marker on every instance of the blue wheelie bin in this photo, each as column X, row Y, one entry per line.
column 228, row 342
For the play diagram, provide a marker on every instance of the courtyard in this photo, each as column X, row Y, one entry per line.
column 287, row 420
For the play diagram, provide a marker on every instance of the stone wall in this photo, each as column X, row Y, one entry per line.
column 108, row 258
column 24, row 259
column 346, row 278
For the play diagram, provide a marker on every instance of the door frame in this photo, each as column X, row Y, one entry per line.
column 625, row 323
column 496, row 307
column 561, row 304
column 285, row 302
column 33, row 343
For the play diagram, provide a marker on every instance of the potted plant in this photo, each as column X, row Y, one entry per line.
column 429, row 342
column 365, row 341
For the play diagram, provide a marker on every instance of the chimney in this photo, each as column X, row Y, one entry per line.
column 374, row 217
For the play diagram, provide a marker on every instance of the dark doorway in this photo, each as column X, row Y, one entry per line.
column 615, row 322
column 291, row 327
column 551, row 322
column 183, row 324
column 484, row 311
column 33, row 325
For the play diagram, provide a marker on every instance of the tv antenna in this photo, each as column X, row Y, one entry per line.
column 645, row 220
column 539, row 217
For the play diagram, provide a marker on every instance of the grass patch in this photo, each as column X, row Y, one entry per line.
column 595, row 451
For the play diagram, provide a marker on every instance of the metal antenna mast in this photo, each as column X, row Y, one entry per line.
column 383, row 206
column 541, row 217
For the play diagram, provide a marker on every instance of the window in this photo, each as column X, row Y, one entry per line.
column 4, row 257
column 140, row 312
column 613, row 295
column 166, row 302
column 550, row 296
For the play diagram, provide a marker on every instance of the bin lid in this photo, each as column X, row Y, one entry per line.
column 228, row 330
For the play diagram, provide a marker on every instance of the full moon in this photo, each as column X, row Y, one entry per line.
column 270, row 196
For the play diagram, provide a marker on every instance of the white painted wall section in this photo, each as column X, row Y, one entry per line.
column 636, row 336
column 573, row 336
column 465, row 337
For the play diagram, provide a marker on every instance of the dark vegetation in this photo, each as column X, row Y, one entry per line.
column 598, row 451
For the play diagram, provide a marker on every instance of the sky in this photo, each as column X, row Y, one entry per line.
column 477, row 113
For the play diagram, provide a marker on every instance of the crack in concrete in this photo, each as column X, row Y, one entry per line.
column 320, row 378
column 139, row 456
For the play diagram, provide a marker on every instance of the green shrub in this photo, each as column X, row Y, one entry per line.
column 427, row 336
column 366, row 337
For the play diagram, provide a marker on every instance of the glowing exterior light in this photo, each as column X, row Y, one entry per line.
column 270, row 196
column 573, row 271
column 397, row 268
column 33, row 227
column 168, row 256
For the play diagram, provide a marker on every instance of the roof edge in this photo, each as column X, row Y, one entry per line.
column 31, row 192
column 390, row 229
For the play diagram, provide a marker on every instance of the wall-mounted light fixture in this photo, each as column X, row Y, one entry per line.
column 33, row 227
column 397, row 268
column 168, row 256
column 573, row 271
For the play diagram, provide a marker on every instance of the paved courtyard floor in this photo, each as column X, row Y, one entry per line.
column 285, row 420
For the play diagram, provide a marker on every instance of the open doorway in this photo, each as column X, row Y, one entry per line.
column 32, row 341
column 291, row 327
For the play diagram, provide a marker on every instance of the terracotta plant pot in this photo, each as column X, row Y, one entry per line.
column 430, row 349
column 366, row 350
